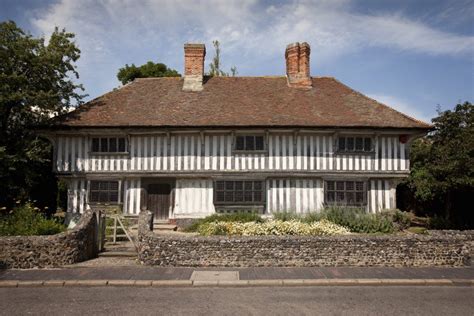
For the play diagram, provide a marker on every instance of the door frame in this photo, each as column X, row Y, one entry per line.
column 170, row 181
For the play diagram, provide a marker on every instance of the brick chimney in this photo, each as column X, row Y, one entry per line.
column 193, row 66
column 297, row 65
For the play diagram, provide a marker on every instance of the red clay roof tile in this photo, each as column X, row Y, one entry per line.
column 236, row 101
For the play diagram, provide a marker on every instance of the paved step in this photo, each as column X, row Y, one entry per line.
column 164, row 227
column 115, row 254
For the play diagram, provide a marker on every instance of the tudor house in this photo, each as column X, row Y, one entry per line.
column 192, row 146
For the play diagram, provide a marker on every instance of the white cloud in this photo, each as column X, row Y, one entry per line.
column 402, row 106
column 111, row 33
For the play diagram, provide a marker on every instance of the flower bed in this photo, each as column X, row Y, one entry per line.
column 272, row 227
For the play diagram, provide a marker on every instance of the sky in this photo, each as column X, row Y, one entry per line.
column 416, row 56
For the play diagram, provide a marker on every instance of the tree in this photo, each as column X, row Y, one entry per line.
column 442, row 175
column 150, row 69
column 36, row 83
column 215, row 66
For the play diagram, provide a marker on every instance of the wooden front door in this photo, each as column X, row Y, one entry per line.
column 159, row 199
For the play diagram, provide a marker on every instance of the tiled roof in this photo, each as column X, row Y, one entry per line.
column 237, row 102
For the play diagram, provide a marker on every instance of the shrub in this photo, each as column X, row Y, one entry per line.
column 358, row 220
column 285, row 216
column 401, row 220
column 236, row 217
column 26, row 220
column 272, row 227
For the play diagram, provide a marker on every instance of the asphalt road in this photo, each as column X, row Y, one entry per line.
column 379, row 300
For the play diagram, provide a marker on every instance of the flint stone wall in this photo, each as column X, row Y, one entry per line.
column 298, row 251
column 75, row 245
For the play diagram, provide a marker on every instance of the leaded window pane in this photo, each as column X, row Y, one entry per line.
column 350, row 144
column 340, row 185
column 121, row 145
column 359, row 144
column 239, row 143
column 248, row 185
column 330, row 197
column 257, row 196
column 367, row 144
column 257, row 185
column 229, row 196
column 249, row 142
column 113, row 145
column 95, row 144
column 220, row 196
column 339, row 196
column 239, row 196
column 345, row 192
column 104, row 145
column 229, row 185
column 350, row 186
column 220, row 185
column 259, row 144
column 342, row 143
column 330, row 185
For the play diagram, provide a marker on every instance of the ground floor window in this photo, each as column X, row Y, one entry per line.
column 351, row 193
column 104, row 192
column 238, row 192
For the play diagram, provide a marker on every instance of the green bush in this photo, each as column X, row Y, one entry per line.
column 26, row 220
column 357, row 220
column 236, row 217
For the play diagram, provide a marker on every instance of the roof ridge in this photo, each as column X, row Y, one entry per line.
column 385, row 105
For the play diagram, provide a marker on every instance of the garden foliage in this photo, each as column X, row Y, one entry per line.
column 26, row 220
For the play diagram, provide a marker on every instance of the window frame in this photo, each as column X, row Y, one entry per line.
column 116, row 137
column 364, row 191
column 239, row 203
column 234, row 143
column 90, row 190
column 346, row 151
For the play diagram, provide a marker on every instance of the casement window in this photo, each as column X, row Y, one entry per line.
column 249, row 143
column 239, row 192
column 354, row 144
column 108, row 145
column 104, row 192
column 350, row 193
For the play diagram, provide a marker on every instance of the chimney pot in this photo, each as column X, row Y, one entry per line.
column 194, row 55
column 297, row 65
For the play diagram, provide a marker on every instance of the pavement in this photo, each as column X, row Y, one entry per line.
column 256, row 276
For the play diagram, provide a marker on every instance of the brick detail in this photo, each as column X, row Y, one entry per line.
column 297, row 65
column 194, row 59
column 194, row 55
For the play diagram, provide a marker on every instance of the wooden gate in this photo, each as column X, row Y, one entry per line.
column 158, row 200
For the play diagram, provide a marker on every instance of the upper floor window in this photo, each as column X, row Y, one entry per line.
column 104, row 192
column 238, row 192
column 249, row 143
column 108, row 145
column 354, row 144
column 351, row 193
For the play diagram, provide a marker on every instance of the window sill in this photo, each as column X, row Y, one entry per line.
column 95, row 153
